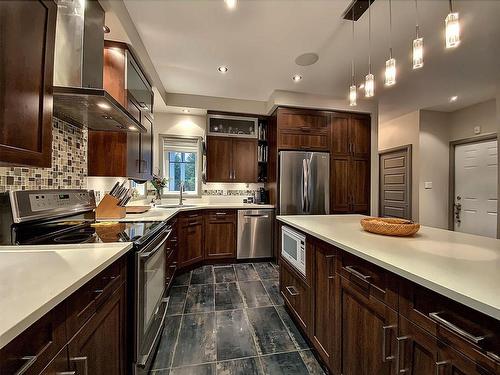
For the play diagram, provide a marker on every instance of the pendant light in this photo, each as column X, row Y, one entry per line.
column 390, row 65
column 369, row 79
column 353, row 92
column 418, row 44
column 452, row 26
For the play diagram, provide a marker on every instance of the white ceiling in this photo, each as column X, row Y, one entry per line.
column 188, row 39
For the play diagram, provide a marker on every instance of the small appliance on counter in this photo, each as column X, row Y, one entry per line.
column 49, row 217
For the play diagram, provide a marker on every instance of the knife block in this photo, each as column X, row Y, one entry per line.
column 108, row 209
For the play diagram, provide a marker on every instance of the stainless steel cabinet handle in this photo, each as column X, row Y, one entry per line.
column 386, row 357
column 329, row 259
column 401, row 340
column 234, row 174
column 30, row 359
column 353, row 271
column 221, row 213
column 83, row 360
column 438, row 365
column 452, row 327
column 66, row 373
column 292, row 290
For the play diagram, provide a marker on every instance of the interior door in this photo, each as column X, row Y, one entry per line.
column 475, row 198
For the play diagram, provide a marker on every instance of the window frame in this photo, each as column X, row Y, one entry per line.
column 162, row 164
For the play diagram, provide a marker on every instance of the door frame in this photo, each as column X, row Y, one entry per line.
column 408, row 149
column 451, row 184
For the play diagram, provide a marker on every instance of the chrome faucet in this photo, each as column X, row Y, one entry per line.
column 181, row 190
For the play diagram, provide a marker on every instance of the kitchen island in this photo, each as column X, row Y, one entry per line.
column 390, row 297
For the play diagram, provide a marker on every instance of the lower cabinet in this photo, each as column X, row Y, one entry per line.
column 59, row 365
column 220, row 234
column 190, row 238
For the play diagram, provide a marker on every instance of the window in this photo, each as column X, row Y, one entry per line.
column 181, row 164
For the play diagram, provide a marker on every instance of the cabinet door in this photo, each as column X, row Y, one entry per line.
column 219, row 159
column 107, row 154
column 27, row 64
column 191, row 240
column 369, row 330
column 304, row 120
column 359, row 185
column 244, row 160
column 324, row 330
column 58, row 365
column 220, row 235
column 340, row 185
column 340, row 134
column 451, row 362
column 100, row 346
column 360, row 135
column 146, row 164
column 114, row 73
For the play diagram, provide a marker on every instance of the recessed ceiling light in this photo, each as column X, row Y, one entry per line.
column 104, row 105
column 185, row 110
column 106, row 29
column 132, row 128
column 223, row 69
column 453, row 98
column 231, row 4
column 296, row 78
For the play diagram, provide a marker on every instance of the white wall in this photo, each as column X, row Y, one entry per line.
column 398, row 132
column 464, row 120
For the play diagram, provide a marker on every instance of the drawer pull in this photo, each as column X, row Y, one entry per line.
column 401, row 357
column 292, row 291
column 30, row 359
column 495, row 356
column 221, row 213
column 385, row 356
column 438, row 365
column 82, row 360
column 66, row 373
column 329, row 259
column 452, row 327
column 355, row 272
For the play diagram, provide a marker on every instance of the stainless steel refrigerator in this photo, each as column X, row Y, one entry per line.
column 304, row 183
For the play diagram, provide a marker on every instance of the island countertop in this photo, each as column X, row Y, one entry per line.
column 462, row 267
column 35, row 279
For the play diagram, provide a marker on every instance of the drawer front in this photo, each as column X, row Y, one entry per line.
column 468, row 331
column 300, row 140
column 221, row 215
column 303, row 120
column 189, row 216
column 89, row 298
column 297, row 294
column 374, row 280
column 31, row 351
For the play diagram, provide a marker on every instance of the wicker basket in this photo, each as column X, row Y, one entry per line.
column 390, row 226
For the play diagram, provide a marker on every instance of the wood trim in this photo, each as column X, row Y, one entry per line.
column 451, row 180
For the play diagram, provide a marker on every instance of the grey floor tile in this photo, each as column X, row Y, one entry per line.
column 182, row 279
column 164, row 353
column 200, row 298
column 246, row 272
column 266, row 270
column 311, row 363
column 234, row 338
column 196, row 343
column 299, row 341
column 227, row 297
column 273, row 289
column 224, row 274
column 177, row 299
column 284, row 364
column 160, row 372
column 270, row 333
column 203, row 275
column 205, row 369
column 247, row 366
column 254, row 294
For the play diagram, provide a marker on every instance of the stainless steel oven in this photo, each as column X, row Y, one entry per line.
column 150, row 300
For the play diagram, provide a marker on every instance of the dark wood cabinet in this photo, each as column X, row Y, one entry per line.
column 107, row 153
column 350, row 163
column 369, row 330
column 26, row 65
column 190, row 239
column 59, row 365
column 220, row 234
column 231, row 159
column 325, row 291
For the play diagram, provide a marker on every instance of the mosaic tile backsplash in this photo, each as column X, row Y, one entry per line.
column 69, row 163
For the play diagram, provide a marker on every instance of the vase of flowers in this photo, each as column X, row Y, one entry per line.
column 158, row 183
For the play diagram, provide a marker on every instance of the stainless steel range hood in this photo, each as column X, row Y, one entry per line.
column 79, row 97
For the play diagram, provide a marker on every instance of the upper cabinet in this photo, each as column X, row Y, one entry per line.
column 131, row 152
column 26, row 74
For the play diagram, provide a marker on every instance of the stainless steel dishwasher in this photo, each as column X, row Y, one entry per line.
column 255, row 233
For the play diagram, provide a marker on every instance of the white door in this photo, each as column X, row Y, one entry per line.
column 476, row 188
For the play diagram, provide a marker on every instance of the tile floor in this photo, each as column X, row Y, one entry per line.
column 230, row 320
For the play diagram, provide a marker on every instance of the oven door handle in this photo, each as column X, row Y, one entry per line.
column 150, row 253
column 145, row 358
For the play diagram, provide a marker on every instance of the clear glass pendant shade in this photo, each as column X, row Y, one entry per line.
column 390, row 72
column 418, row 53
column 452, row 30
column 353, row 95
column 369, row 85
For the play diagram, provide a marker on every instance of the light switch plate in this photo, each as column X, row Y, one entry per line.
column 428, row 185
column 477, row 130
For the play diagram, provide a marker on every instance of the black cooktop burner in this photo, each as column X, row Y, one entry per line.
column 74, row 238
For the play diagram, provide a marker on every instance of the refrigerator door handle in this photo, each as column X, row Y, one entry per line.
column 304, row 178
column 305, row 168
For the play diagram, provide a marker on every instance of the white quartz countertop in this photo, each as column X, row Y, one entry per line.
column 35, row 279
column 463, row 267
column 161, row 214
